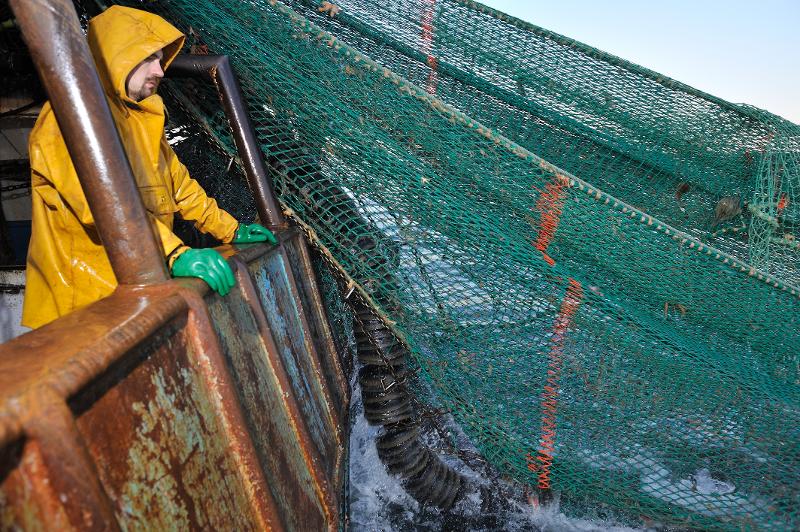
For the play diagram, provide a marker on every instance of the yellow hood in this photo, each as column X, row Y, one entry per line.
column 121, row 37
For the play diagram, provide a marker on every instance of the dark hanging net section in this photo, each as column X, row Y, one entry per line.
column 211, row 163
column 593, row 266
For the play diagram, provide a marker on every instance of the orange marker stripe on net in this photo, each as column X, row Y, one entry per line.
column 427, row 46
column 549, row 398
column 783, row 202
column 549, row 204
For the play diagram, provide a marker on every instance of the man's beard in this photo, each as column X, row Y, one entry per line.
column 149, row 87
column 154, row 82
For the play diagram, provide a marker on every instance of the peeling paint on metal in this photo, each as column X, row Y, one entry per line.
column 159, row 446
column 303, row 272
column 23, row 502
column 283, row 317
column 273, row 430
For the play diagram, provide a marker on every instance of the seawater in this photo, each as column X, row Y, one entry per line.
column 378, row 502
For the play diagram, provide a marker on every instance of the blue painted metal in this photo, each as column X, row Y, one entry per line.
column 283, row 312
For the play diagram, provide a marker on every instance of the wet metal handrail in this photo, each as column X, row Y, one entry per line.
column 218, row 69
column 62, row 58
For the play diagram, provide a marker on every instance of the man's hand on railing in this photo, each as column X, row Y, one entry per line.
column 250, row 233
column 208, row 265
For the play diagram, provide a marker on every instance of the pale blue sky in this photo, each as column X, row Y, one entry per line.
column 742, row 51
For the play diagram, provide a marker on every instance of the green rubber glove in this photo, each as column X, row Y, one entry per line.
column 208, row 265
column 250, row 233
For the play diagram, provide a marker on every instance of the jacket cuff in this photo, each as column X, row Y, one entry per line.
column 227, row 239
column 174, row 254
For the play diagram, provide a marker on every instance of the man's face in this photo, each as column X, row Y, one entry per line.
column 144, row 79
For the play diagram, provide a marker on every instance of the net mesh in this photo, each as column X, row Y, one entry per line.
column 594, row 266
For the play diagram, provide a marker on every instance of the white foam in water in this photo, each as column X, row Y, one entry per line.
column 176, row 135
column 707, row 485
column 372, row 489
column 378, row 501
column 550, row 519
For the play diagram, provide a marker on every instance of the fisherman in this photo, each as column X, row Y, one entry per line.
column 67, row 265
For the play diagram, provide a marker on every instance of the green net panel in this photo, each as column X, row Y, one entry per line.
column 535, row 219
column 657, row 144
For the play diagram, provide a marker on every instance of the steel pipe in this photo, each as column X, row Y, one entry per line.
column 217, row 68
column 59, row 50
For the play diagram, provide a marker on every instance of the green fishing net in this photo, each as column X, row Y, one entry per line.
column 595, row 267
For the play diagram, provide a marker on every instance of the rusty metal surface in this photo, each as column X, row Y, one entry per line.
column 37, row 371
column 290, row 460
column 145, row 418
column 66, row 468
column 298, row 258
column 125, row 414
column 283, row 312
column 211, row 362
column 217, row 68
column 66, row 354
column 96, row 369
column 26, row 501
column 164, row 454
column 65, row 65
column 322, row 388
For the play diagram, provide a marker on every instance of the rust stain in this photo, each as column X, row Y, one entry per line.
column 162, row 434
column 303, row 271
column 218, row 384
column 278, row 430
column 281, row 313
column 162, row 455
column 26, row 500
column 308, row 340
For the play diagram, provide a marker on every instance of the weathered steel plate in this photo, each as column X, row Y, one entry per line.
column 25, row 497
column 160, row 449
column 278, row 430
column 284, row 315
column 298, row 258
column 164, row 414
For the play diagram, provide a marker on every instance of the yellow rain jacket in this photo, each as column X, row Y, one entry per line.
column 67, row 265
